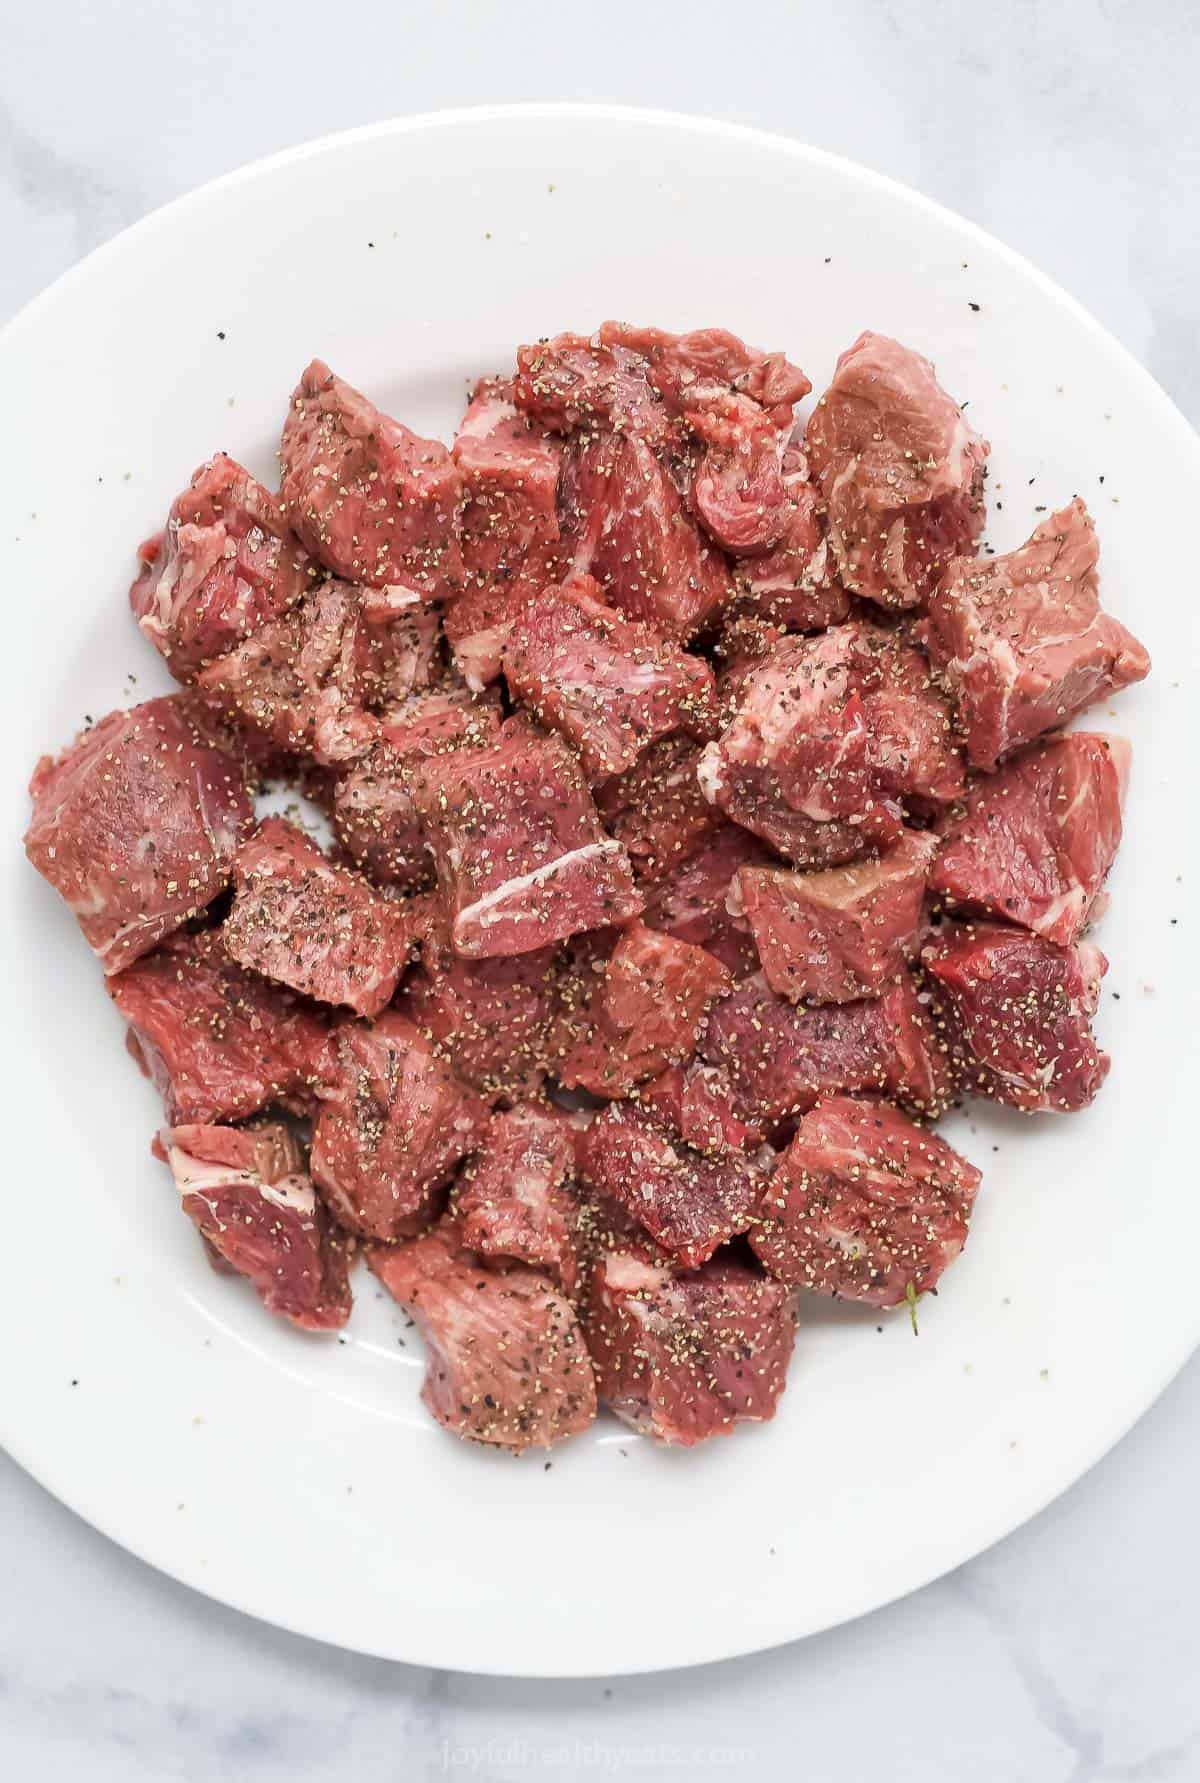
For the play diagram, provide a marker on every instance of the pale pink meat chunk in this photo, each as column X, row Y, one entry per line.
column 1035, row 841
column 513, row 1200
column 1023, row 641
column 135, row 825
column 865, row 1205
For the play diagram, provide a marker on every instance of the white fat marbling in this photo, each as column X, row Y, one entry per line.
column 1068, row 1653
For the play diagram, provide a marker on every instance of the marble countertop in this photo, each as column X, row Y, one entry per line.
column 1065, row 1655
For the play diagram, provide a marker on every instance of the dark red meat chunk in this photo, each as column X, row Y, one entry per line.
column 656, row 808
column 319, row 928
column 393, row 1125
column 1022, row 638
column 521, row 858
column 865, row 1205
column 699, row 1103
column 490, row 1019
column 135, row 826
column 685, row 1357
column 1035, row 841
column 793, row 584
column 375, row 502
column 1020, row 1008
column 507, row 1359
column 219, row 1043
column 247, row 1192
column 900, row 472
column 513, row 1200
column 691, row 900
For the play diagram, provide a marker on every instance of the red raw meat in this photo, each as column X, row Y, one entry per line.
column 835, row 936
column 629, row 529
column 520, row 854
column 865, row 1205
column 513, row 1200
column 319, row 928
column 507, row 1358
column 699, row 1103
column 571, row 383
column 688, row 1202
column 135, row 825
column 248, row 1193
column 1036, row 840
column 646, row 1012
column 711, row 378
column 225, row 566
column 373, row 814
column 900, row 472
column 685, row 1357
column 609, row 685
column 912, row 747
column 375, row 502
column 691, row 900
column 1021, row 1009
column 394, row 1123
column 1022, row 639
column 794, row 584
column 490, row 1019
column 218, row 1043
column 656, row 808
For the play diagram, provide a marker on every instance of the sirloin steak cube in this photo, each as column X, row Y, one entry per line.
column 691, row 900
column 685, row 1357
column 135, row 825
column 490, row 1019
column 1036, row 840
column 393, row 1125
column 793, row 584
column 373, row 501
column 656, row 808
column 520, row 854
column 507, row 1359
column 302, row 921
column 865, row 1205
column 513, row 1200
column 248, row 1193
column 1022, row 639
column 1020, row 1008
column 699, row 1103
column 225, row 566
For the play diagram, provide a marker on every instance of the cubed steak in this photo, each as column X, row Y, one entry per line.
column 135, row 825
column 1035, row 841
column 656, row 808
column 248, row 1193
column 571, row 383
column 688, row 1202
column 716, row 384
column 490, row 1019
column 899, row 469
column 225, row 566
column 394, row 1124
column 218, row 1042
column 1023, row 641
column 645, row 1013
column 865, row 1205
column 373, row 501
column 834, row 936
column 1020, row 1009
column 794, row 584
column 685, row 1357
column 512, row 1201
column 609, row 685
column 691, row 899
column 507, row 1359
column 304, row 922
column 700, row 1104
column 520, row 854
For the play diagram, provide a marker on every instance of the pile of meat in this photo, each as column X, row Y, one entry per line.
column 704, row 826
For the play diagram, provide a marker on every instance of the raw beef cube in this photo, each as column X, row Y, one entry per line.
column 685, row 1357
column 520, row 854
column 375, row 502
column 646, row 1013
column 609, row 685
column 135, row 825
column 912, row 746
column 373, row 814
column 834, row 936
column 1036, row 840
column 900, row 472
column 219, row 1043
column 627, row 525
column 248, row 1193
column 688, row 1202
column 507, row 1359
column 865, row 1205
column 710, row 378
column 513, row 1200
column 490, row 1019
column 1021, row 1009
column 225, row 566
column 917, row 1065
column 570, row 383
column 656, row 808
column 478, row 622
column 691, row 900
column 302, row 921
column 1022, row 639
column 393, row 1125
column 793, row 583
column 699, row 1103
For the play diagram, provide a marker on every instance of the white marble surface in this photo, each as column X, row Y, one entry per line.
column 1067, row 1653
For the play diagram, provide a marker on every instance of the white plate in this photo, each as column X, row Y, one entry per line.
column 297, row 1478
